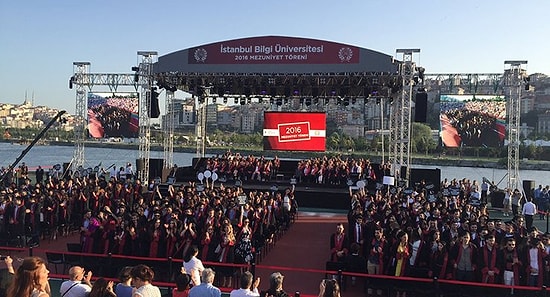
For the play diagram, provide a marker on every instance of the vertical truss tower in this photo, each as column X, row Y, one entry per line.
column 168, row 123
column 80, row 78
column 400, row 131
column 514, row 78
column 200, row 129
column 146, row 83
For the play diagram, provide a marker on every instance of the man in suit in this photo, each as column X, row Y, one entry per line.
column 16, row 220
column 357, row 232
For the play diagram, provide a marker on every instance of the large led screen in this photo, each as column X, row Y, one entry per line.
column 113, row 115
column 294, row 131
column 472, row 121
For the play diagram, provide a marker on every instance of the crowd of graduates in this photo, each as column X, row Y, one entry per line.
column 123, row 216
column 414, row 232
column 445, row 236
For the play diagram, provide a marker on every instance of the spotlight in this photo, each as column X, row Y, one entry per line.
column 135, row 68
column 346, row 101
column 71, row 82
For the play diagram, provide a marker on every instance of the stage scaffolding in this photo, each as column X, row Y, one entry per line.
column 396, row 89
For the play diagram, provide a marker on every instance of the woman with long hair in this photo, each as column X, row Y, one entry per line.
column 102, row 288
column 31, row 279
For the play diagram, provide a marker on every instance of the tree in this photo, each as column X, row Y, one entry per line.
column 334, row 141
column 421, row 139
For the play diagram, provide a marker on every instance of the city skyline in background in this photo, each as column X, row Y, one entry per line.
column 40, row 40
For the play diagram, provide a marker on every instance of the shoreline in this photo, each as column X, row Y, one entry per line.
column 415, row 159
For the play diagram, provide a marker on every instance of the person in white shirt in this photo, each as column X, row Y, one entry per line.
column 246, row 284
column 528, row 211
column 142, row 275
column 192, row 265
column 78, row 285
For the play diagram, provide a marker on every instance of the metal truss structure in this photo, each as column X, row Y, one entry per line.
column 146, row 83
column 509, row 84
column 352, row 84
column 471, row 83
column 168, row 127
column 400, row 118
column 514, row 81
column 85, row 81
column 80, row 78
column 275, row 87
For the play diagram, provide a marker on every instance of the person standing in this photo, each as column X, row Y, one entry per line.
column 534, row 256
column 124, row 287
column 338, row 244
column 275, row 286
column 142, row 275
column 192, row 265
column 484, row 191
column 78, row 284
column 375, row 255
column 488, row 260
column 39, row 174
column 463, row 256
column 399, row 254
column 31, row 279
column 102, row 288
column 206, row 289
column 248, row 287
column 510, row 263
column 529, row 211
column 329, row 288
column 517, row 200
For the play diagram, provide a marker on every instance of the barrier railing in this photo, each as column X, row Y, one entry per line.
column 108, row 266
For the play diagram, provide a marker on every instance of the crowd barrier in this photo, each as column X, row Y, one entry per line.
column 166, row 268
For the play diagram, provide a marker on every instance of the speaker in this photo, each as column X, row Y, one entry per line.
column 421, row 107
column 529, row 187
column 155, row 167
column 139, row 164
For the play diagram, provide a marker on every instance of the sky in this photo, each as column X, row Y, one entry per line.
column 40, row 40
